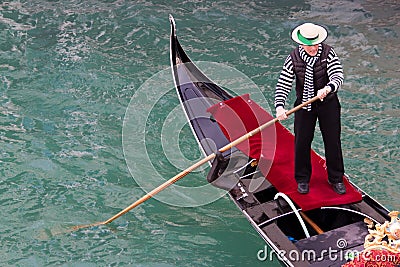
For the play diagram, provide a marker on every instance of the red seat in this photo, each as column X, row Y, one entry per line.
column 274, row 147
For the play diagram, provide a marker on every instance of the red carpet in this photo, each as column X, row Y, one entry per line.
column 275, row 149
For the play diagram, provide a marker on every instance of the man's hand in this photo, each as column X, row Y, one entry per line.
column 281, row 113
column 322, row 93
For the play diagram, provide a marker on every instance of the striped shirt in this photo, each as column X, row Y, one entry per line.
column 287, row 76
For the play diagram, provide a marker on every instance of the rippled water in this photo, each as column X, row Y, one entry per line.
column 68, row 72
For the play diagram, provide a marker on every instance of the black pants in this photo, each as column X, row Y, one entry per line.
column 328, row 114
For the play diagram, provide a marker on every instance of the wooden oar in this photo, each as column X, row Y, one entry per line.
column 193, row 167
column 312, row 223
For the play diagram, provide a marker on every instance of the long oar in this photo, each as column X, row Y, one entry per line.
column 193, row 167
column 312, row 223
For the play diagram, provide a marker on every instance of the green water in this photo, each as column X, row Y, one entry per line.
column 68, row 72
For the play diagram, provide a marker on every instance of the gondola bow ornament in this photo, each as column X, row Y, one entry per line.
column 382, row 244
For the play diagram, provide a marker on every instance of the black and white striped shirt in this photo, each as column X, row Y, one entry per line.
column 286, row 78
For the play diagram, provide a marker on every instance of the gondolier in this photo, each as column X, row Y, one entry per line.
column 317, row 71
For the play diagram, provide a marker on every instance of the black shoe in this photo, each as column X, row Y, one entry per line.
column 339, row 188
column 303, row 188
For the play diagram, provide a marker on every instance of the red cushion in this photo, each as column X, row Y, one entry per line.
column 274, row 147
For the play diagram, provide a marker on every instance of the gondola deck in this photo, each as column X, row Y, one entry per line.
column 274, row 149
column 287, row 229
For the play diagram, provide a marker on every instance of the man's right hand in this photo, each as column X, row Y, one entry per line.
column 281, row 113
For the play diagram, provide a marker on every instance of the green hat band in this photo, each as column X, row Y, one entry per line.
column 304, row 40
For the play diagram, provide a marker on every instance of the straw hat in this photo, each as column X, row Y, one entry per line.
column 309, row 34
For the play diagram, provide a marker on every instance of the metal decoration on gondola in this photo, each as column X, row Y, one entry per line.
column 384, row 236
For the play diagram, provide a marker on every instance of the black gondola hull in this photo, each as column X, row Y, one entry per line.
column 273, row 219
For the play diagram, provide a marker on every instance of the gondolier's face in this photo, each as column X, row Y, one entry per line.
column 312, row 50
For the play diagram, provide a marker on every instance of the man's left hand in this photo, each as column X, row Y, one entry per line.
column 322, row 93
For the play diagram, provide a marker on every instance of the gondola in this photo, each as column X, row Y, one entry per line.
column 300, row 230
